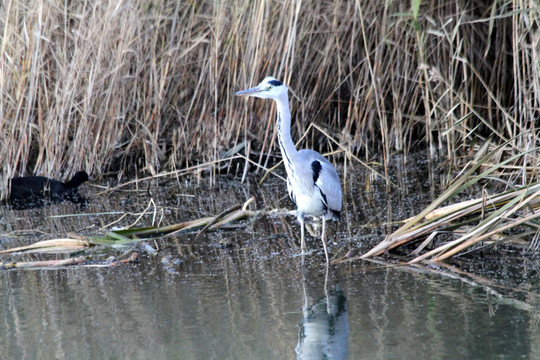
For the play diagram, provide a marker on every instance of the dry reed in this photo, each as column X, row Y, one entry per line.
column 148, row 85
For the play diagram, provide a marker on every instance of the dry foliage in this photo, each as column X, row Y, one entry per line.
column 490, row 220
column 148, row 85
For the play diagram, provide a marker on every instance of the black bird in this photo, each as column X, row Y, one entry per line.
column 32, row 191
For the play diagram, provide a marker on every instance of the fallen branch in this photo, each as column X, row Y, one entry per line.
column 501, row 209
column 45, row 263
column 72, row 244
column 77, row 242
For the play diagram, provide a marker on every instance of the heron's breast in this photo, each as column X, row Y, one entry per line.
column 310, row 205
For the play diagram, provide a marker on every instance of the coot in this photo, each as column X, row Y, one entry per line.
column 38, row 188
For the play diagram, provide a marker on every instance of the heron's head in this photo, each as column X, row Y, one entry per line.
column 269, row 88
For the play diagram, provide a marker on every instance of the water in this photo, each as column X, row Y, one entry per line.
column 242, row 293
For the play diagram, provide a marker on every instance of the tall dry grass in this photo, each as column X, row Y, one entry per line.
column 148, row 85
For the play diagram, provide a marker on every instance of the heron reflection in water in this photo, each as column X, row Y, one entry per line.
column 324, row 331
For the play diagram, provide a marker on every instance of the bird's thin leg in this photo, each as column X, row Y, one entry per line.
column 323, row 238
column 326, row 293
column 302, row 241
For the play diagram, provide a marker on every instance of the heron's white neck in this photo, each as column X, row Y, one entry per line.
column 288, row 150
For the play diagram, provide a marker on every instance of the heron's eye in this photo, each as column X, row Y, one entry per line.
column 269, row 87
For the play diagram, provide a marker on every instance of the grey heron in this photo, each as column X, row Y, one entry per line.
column 312, row 181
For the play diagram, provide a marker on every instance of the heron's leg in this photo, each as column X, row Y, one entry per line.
column 326, row 293
column 302, row 236
column 323, row 238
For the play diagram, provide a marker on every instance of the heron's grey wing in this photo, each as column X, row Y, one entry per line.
column 324, row 177
column 328, row 182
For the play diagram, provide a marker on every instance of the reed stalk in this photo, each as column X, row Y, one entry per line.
column 142, row 86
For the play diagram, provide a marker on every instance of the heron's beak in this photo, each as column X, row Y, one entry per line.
column 249, row 92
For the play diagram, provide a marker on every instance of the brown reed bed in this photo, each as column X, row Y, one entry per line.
column 147, row 87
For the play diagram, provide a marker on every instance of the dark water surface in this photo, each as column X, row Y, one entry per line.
column 242, row 293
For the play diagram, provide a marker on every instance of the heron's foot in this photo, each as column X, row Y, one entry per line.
column 313, row 229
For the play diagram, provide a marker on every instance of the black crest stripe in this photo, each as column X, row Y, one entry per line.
column 275, row 83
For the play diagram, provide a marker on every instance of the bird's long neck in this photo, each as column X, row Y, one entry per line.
column 288, row 150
